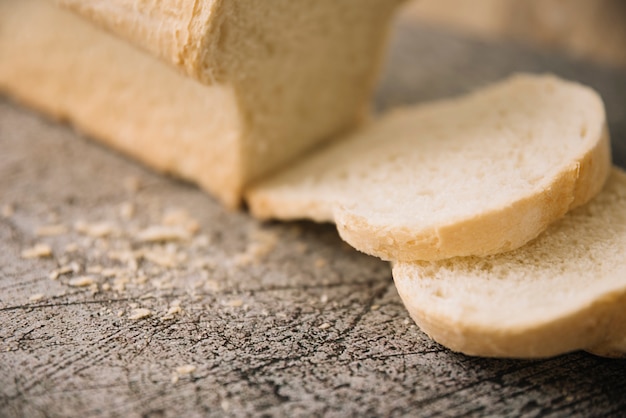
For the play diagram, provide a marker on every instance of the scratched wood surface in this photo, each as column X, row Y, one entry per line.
column 245, row 318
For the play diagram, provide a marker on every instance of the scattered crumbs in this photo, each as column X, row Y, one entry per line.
column 97, row 269
column 119, row 283
column 320, row 263
column 180, row 217
column 174, row 378
column 38, row 251
column 161, row 257
column 201, row 241
column 127, row 210
column 186, row 369
column 106, row 287
column 140, row 313
column 301, row 248
column 375, row 307
column 132, row 184
column 324, row 298
column 7, row 211
column 133, row 305
column 94, row 230
column 173, row 310
column 225, row 405
column 163, row 233
column 235, row 303
column 212, row 286
column 56, row 273
column 81, row 281
column 120, row 313
column 406, row 321
column 36, row 297
column 109, row 272
column 72, row 247
column 51, row 230
column 325, row 325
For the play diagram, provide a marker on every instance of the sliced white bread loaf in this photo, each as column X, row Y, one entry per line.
column 564, row 291
column 476, row 175
column 299, row 73
column 276, row 78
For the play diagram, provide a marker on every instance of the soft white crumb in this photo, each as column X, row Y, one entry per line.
column 324, row 298
column 375, row 307
column 38, row 251
column 325, row 325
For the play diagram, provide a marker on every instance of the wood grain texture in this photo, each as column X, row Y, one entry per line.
column 309, row 327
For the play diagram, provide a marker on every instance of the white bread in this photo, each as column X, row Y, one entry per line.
column 276, row 78
column 475, row 175
column 564, row 291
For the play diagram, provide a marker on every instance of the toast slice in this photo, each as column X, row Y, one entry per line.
column 475, row 175
column 564, row 291
column 269, row 79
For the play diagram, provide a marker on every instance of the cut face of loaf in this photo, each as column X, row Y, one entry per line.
column 564, row 291
column 476, row 175
column 269, row 79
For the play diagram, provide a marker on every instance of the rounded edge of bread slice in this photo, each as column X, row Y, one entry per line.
column 562, row 292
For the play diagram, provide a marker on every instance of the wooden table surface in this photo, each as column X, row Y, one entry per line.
column 246, row 318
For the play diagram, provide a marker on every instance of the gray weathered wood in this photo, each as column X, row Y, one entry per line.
column 306, row 326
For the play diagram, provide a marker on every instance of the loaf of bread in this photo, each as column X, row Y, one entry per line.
column 564, row 291
column 475, row 175
column 272, row 78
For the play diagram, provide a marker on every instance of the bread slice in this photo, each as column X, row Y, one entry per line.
column 564, row 291
column 476, row 175
column 275, row 78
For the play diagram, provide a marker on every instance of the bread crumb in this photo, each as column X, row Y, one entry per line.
column 71, row 247
column 38, row 251
column 186, row 369
column 36, row 297
column 180, row 217
column 106, row 287
column 161, row 233
column 120, row 313
column 127, row 210
column 95, row 230
column 406, row 321
column 235, row 303
column 325, row 325
column 81, row 281
column 174, row 378
column 97, row 269
column 375, row 307
column 161, row 258
column 320, row 263
column 51, row 230
column 324, row 298
column 140, row 313
column 132, row 184
column 72, row 268
column 7, row 211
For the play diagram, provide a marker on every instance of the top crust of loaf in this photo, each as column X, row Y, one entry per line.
column 476, row 175
column 562, row 292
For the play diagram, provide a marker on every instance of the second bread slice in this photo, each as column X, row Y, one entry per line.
column 476, row 175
